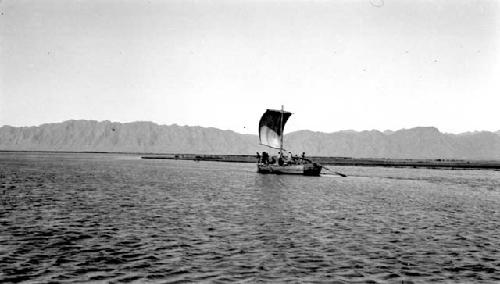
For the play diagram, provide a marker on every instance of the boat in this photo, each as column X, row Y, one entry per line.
column 271, row 132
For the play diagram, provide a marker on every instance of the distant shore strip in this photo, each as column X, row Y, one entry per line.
column 347, row 161
column 333, row 161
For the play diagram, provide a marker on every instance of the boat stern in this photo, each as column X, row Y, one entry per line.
column 312, row 169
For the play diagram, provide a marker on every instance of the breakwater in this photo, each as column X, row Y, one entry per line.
column 345, row 161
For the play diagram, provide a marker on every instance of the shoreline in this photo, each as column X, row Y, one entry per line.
column 346, row 161
column 325, row 160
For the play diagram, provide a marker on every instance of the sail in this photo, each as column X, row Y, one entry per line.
column 271, row 127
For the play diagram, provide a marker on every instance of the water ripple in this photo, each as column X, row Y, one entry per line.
column 110, row 218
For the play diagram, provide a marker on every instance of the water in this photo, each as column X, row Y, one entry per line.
column 103, row 217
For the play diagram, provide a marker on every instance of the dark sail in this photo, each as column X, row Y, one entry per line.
column 271, row 127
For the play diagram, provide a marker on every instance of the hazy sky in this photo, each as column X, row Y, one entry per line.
column 335, row 64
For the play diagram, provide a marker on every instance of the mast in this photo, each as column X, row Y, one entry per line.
column 282, row 134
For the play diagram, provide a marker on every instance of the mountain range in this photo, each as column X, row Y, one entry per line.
column 149, row 137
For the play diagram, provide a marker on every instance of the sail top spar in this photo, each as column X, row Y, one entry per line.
column 271, row 127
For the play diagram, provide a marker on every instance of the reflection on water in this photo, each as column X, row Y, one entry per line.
column 90, row 217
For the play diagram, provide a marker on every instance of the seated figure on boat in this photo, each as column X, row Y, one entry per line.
column 281, row 160
column 265, row 158
column 273, row 160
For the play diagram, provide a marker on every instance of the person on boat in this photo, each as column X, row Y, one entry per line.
column 265, row 158
column 258, row 157
column 304, row 159
column 273, row 160
column 281, row 161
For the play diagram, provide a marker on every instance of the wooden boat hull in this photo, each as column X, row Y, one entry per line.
column 310, row 169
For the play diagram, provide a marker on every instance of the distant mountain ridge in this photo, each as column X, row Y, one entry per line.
column 149, row 137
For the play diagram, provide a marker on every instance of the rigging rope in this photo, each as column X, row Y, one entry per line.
column 340, row 174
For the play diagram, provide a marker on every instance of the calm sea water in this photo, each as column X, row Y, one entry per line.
column 92, row 217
